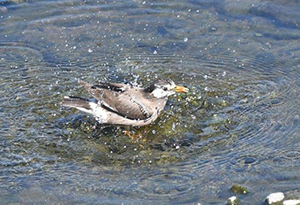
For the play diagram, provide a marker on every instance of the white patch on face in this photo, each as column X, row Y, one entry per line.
column 161, row 93
column 172, row 86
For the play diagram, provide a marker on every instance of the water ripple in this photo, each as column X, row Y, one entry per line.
column 240, row 118
column 165, row 184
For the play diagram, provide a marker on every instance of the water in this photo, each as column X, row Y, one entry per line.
column 239, row 124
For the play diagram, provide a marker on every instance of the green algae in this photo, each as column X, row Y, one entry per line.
column 239, row 189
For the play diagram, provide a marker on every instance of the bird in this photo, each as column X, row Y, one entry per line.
column 124, row 104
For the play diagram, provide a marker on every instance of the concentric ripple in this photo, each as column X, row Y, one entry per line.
column 165, row 184
column 238, row 124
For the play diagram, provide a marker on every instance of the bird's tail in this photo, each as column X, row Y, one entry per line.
column 78, row 103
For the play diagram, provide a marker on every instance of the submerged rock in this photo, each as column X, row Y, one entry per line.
column 239, row 189
column 292, row 202
column 274, row 198
column 233, row 201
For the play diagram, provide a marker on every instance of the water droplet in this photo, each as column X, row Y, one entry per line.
column 173, row 126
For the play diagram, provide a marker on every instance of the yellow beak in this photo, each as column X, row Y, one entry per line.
column 181, row 89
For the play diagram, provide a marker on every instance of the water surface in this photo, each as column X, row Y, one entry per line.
column 239, row 124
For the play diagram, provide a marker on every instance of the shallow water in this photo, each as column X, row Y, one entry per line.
column 239, row 124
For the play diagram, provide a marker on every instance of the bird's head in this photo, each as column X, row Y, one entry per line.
column 165, row 88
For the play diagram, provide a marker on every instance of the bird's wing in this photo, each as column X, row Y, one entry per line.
column 92, row 89
column 133, row 106
column 116, row 98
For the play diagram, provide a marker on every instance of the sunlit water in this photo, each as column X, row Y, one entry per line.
column 239, row 124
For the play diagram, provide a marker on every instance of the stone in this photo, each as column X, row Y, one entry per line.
column 239, row 189
column 233, row 201
column 274, row 198
column 292, row 202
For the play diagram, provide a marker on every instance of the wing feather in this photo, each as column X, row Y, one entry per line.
column 133, row 108
column 116, row 98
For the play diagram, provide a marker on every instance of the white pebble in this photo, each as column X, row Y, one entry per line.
column 274, row 197
column 233, row 200
column 291, row 202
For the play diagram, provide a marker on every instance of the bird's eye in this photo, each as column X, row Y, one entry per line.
column 165, row 89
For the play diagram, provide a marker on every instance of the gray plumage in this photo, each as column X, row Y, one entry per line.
column 123, row 104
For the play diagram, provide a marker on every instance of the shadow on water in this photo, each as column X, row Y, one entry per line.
column 238, row 124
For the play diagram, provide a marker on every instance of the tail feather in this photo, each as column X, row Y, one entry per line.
column 76, row 102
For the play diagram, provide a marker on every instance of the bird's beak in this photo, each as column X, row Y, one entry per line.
column 181, row 89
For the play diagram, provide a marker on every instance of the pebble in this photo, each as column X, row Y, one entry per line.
column 233, row 201
column 239, row 189
column 292, row 202
column 274, row 198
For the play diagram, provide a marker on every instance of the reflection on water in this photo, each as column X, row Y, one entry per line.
column 238, row 124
